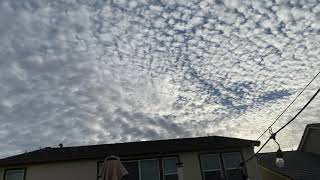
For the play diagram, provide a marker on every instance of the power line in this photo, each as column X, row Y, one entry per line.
column 298, row 112
column 289, row 105
column 274, row 134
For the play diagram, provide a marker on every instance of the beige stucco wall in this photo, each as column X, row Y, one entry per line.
column 312, row 143
column 267, row 174
column 251, row 166
column 1, row 173
column 78, row 170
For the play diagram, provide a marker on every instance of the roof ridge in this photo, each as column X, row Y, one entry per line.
column 157, row 140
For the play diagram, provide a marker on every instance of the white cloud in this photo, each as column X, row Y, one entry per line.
column 233, row 4
column 90, row 70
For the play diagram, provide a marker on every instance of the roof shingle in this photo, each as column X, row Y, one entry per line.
column 298, row 165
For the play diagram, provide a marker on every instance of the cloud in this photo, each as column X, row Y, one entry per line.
column 88, row 72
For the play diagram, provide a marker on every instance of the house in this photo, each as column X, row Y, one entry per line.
column 201, row 158
column 302, row 164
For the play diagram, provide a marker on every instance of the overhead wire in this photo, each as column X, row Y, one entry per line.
column 272, row 136
column 289, row 105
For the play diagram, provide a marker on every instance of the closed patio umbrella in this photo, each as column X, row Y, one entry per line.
column 113, row 169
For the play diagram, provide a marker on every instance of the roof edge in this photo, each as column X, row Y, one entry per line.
column 306, row 132
column 201, row 146
column 253, row 142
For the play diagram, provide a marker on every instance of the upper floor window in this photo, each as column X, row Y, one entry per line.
column 231, row 164
column 211, row 167
column 150, row 169
column 17, row 174
column 170, row 171
column 221, row 166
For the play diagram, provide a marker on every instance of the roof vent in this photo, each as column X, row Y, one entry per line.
column 47, row 148
column 61, row 145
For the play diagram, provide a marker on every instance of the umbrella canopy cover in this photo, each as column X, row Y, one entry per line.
column 113, row 169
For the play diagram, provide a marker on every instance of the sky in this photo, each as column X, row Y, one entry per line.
column 82, row 72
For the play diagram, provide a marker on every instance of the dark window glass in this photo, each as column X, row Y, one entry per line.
column 171, row 177
column 149, row 170
column 170, row 166
column 214, row 170
column 231, row 160
column 213, row 175
column 235, row 174
column 211, row 167
column 133, row 170
column 210, row 162
column 14, row 175
column 170, row 169
column 231, row 163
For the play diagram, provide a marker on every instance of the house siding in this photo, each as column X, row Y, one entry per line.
column 251, row 166
column 80, row 170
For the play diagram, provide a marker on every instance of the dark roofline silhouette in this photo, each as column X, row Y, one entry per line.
column 128, row 149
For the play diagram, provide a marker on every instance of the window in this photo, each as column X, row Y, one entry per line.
column 147, row 169
column 17, row 174
column 170, row 171
column 231, row 163
column 133, row 169
column 211, row 167
column 214, row 169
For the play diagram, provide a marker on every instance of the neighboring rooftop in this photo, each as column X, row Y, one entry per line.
column 306, row 135
column 157, row 147
column 313, row 125
column 298, row 165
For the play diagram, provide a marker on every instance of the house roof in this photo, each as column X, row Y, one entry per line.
column 298, row 165
column 140, row 148
column 306, row 132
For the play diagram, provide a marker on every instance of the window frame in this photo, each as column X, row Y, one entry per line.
column 225, row 163
column 135, row 159
column 221, row 170
column 227, row 169
column 210, row 170
column 157, row 160
column 221, row 160
column 162, row 166
column 5, row 172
